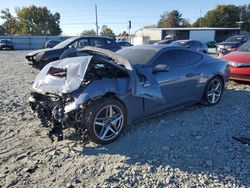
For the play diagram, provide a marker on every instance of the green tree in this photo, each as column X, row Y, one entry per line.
column 11, row 25
column 32, row 20
column 105, row 31
column 88, row 32
column 223, row 16
column 226, row 16
column 2, row 30
column 201, row 22
column 171, row 19
column 185, row 23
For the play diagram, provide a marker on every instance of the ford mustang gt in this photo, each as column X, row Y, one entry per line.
column 99, row 92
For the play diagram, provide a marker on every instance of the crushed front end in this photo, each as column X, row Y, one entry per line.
column 63, row 89
column 57, row 113
column 51, row 98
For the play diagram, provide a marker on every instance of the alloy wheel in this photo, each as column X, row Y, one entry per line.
column 108, row 122
column 214, row 91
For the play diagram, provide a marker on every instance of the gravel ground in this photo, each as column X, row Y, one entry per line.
column 192, row 147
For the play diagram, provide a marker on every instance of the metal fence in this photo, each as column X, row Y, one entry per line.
column 31, row 42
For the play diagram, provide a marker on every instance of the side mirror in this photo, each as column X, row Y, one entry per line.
column 160, row 68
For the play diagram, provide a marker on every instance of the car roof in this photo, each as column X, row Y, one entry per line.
column 101, row 37
column 157, row 48
column 187, row 41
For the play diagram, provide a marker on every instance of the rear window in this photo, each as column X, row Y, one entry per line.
column 137, row 56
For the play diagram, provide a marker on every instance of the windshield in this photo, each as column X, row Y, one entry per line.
column 65, row 43
column 245, row 47
column 136, row 55
column 234, row 39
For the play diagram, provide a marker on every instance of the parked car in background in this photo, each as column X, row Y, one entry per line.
column 51, row 43
column 231, row 44
column 192, row 44
column 124, row 44
column 239, row 62
column 101, row 91
column 166, row 41
column 40, row 58
column 6, row 44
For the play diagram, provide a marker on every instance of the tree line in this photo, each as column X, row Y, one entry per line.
column 30, row 20
column 34, row 20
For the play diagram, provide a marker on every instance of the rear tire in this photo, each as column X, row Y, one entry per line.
column 105, row 120
column 213, row 91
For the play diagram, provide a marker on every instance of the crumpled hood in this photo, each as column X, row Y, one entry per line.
column 74, row 69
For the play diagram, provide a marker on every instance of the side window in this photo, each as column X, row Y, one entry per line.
column 80, row 43
column 98, row 42
column 178, row 58
column 194, row 57
column 166, row 59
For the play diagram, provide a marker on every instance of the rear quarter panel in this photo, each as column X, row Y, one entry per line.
column 209, row 68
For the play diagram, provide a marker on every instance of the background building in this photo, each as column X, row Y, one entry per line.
column 151, row 35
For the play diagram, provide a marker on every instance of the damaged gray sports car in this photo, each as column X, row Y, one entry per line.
column 99, row 92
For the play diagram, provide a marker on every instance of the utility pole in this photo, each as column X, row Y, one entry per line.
column 129, row 27
column 96, row 20
column 200, row 17
column 240, row 22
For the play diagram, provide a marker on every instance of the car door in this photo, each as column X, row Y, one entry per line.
column 179, row 83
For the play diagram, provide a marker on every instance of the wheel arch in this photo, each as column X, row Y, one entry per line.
column 113, row 95
column 219, row 76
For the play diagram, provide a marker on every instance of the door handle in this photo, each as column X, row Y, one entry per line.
column 191, row 74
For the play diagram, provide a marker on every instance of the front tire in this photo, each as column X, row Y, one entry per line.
column 105, row 120
column 213, row 91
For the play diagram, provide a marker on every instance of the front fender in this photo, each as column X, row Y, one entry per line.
column 98, row 88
